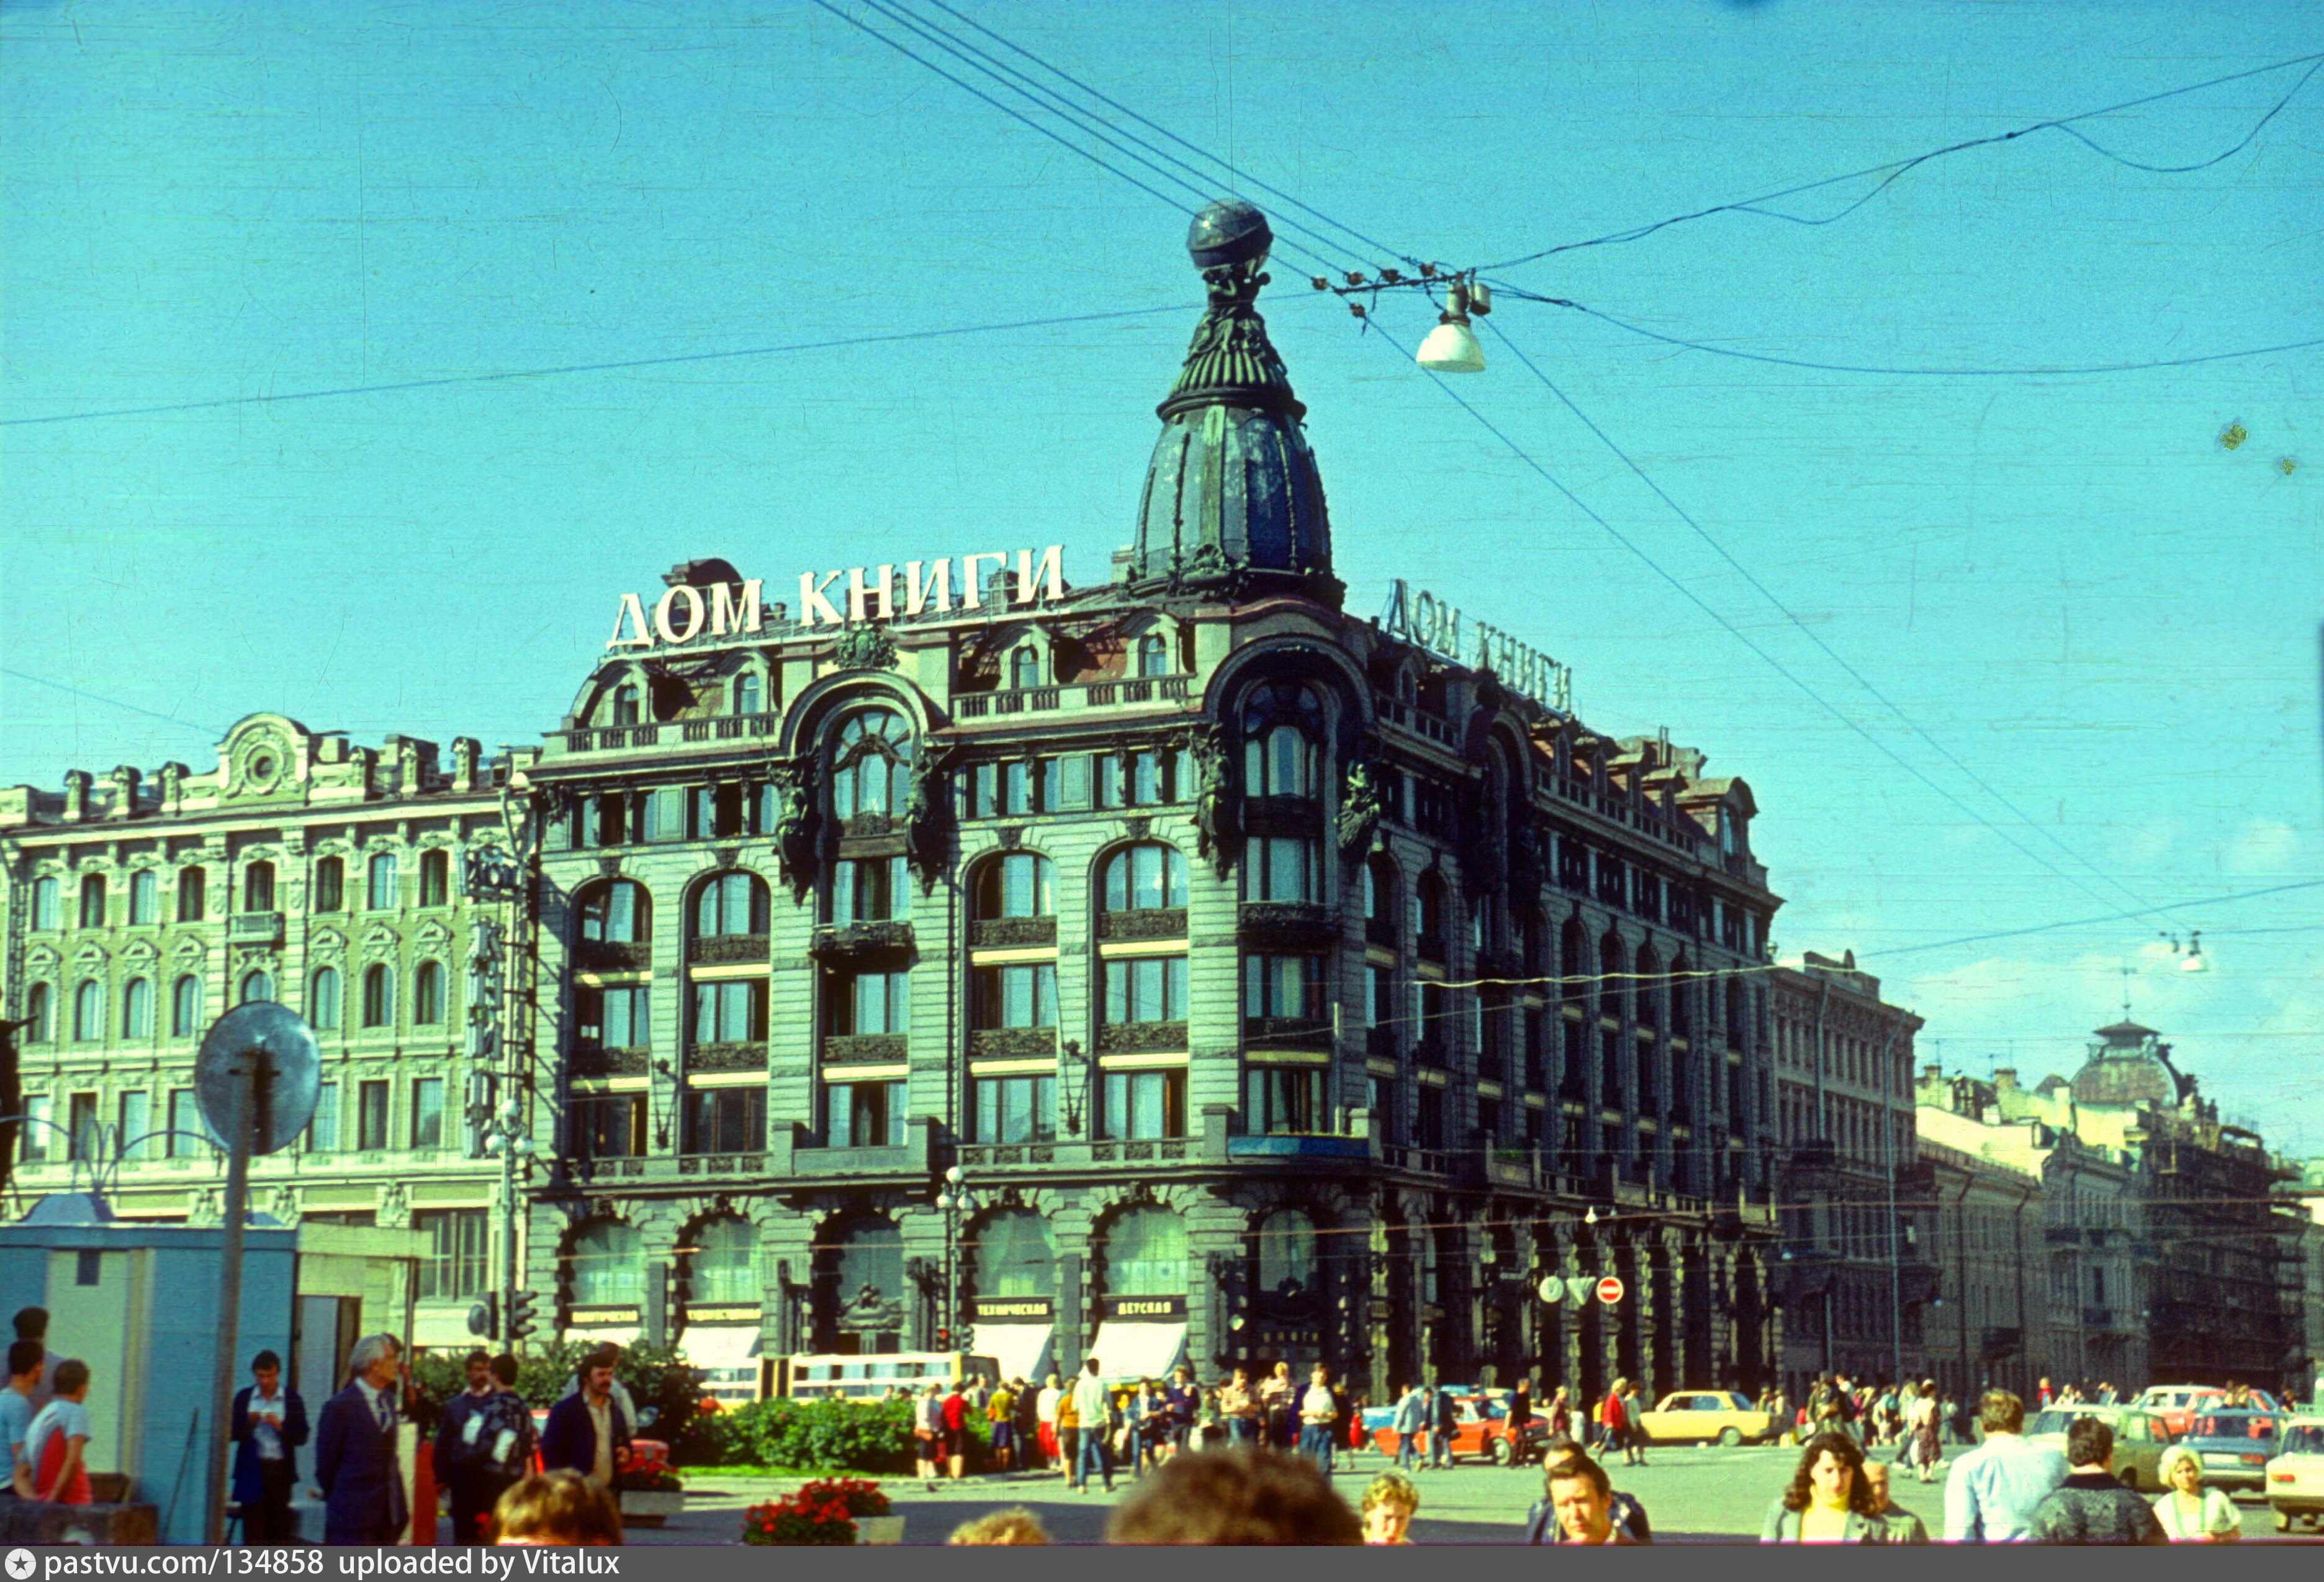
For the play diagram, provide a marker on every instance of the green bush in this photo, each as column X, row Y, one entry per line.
column 816, row 1435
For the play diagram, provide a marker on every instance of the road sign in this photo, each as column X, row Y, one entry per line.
column 1610, row 1291
column 1578, row 1289
column 269, row 1042
column 1552, row 1290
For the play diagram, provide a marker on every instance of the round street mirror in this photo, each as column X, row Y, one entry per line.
column 1552, row 1290
column 270, row 1042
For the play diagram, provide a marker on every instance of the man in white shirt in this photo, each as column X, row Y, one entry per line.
column 1995, row 1488
column 1092, row 1404
column 1318, row 1412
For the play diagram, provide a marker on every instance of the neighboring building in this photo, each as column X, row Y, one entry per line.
column 2311, row 1273
column 1855, row 1201
column 1159, row 909
column 1987, row 1324
column 2092, row 1223
column 304, row 870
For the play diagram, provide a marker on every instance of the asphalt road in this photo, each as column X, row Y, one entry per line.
column 1692, row 1494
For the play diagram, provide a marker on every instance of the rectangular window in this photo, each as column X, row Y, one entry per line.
column 878, row 890
column 37, row 1138
column 1069, row 782
column 1379, row 996
column 1280, row 868
column 44, row 904
column 1489, row 1118
column 1014, row 1109
column 435, row 878
column 187, row 1127
column 864, row 1115
column 370, row 1117
column 1107, row 769
column 665, row 814
column 1016, row 996
column 427, row 1113
column 1146, row 988
column 726, row 1120
column 330, row 884
column 454, row 1268
column 872, row 1001
column 88, row 1141
column 136, row 1120
column 1284, row 1099
column 733, row 1010
column 613, row 1019
column 1148, row 780
column 323, row 1130
column 1428, row 1118
column 1282, row 987
column 610, row 1125
column 379, row 882
column 144, row 894
column 1138, row 1105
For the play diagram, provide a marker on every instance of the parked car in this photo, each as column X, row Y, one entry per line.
column 2140, row 1438
column 1480, row 1428
column 2295, row 1475
column 1703, row 1416
column 2234, row 1447
column 2178, row 1403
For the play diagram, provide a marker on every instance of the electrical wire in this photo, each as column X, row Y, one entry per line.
column 114, row 702
column 1896, row 169
column 1520, row 294
column 628, row 362
column 2078, row 922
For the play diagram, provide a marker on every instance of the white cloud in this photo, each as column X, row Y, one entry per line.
column 2264, row 845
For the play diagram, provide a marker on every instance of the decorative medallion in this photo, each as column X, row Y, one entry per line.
column 863, row 648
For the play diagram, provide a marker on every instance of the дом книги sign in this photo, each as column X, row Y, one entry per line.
column 838, row 599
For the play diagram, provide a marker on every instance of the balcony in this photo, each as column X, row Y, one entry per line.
column 255, row 928
column 856, row 941
column 1138, row 1038
column 1012, row 933
column 731, row 1055
column 1152, row 691
column 721, row 728
column 612, row 956
column 1287, row 925
column 724, row 949
column 1286, row 1032
column 791, row 1152
column 1012, row 1043
column 1513, row 1167
column 1299, row 1145
column 1155, row 923
column 866, row 1049
column 720, row 1164
column 593, row 1060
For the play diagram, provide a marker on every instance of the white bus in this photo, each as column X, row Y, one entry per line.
column 871, row 1378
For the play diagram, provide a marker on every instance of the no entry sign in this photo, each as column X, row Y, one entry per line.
column 1610, row 1291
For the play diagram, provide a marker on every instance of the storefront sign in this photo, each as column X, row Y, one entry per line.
column 1013, row 1310
column 1427, row 622
column 585, row 1314
column 1157, row 1310
column 837, row 598
column 728, row 1313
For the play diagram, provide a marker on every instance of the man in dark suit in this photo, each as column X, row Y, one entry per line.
column 587, row 1430
column 356, row 1461
column 270, row 1424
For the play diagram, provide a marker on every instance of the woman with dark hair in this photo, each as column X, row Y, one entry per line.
column 1829, row 1501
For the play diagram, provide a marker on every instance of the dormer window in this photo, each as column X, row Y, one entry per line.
column 1152, row 655
column 1730, row 839
column 746, row 693
column 1024, row 667
column 625, row 703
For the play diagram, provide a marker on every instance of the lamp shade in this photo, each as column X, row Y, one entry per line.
column 1450, row 348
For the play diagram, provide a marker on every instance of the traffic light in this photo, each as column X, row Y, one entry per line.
column 944, row 1340
column 967, row 1339
column 484, row 1316
column 522, row 1319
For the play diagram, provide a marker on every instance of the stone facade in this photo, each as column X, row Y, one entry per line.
column 1986, row 1325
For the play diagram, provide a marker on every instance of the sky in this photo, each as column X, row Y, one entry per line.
column 1997, row 652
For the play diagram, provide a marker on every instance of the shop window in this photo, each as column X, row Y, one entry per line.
column 608, row 1264
column 723, row 1265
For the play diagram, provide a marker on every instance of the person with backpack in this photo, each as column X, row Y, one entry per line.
column 483, row 1445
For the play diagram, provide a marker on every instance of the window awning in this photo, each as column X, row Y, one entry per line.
column 1126, row 1351
column 1021, row 1350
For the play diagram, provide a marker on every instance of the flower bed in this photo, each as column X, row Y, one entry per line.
column 823, row 1512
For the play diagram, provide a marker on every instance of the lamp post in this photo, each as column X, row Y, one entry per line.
column 505, row 1140
column 954, row 1199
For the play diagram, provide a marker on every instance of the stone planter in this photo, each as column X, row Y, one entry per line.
column 651, row 1507
column 878, row 1530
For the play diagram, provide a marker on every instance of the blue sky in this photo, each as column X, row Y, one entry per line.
column 2066, row 582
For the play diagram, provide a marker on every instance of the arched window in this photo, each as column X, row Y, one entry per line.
column 1648, row 995
column 608, row 1264
column 89, row 1012
column 872, row 761
column 435, row 878
column 378, row 995
column 1428, row 915
column 1146, row 1254
column 40, row 1011
column 323, row 1000
column 137, row 1008
column 724, row 1266
column 186, row 1007
column 144, row 896
column 1571, row 967
column 867, row 1282
column 1734, row 1013
column 193, row 894
column 44, row 904
column 625, row 703
column 747, row 693
column 1285, row 1251
column 1014, row 1255
column 1283, row 731
column 1025, row 667
column 617, row 914
column 730, row 904
column 256, row 985
column 1152, row 655
column 92, row 901
column 1379, row 892
column 379, row 882
column 1144, row 878
column 428, row 993
column 1017, row 883
column 1681, row 997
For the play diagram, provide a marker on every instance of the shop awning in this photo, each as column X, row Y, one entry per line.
column 1139, row 1351
column 1021, row 1350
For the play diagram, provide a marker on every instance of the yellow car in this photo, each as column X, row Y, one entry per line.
column 2295, row 1477
column 1707, row 1415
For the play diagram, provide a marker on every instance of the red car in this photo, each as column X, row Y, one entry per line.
column 1482, row 1428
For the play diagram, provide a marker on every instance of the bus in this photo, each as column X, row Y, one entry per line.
column 818, row 1376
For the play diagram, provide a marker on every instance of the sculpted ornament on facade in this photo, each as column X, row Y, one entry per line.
column 794, row 831
column 927, row 819
column 1362, row 799
column 865, row 648
column 1218, row 823
column 395, row 1206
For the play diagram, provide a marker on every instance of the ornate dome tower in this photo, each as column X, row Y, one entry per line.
column 1232, row 499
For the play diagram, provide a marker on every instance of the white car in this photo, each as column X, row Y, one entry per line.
column 2295, row 1475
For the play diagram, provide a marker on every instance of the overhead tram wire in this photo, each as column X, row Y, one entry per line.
column 1520, row 294
column 1738, row 634
column 1825, row 648
column 2112, row 917
column 1896, row 169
